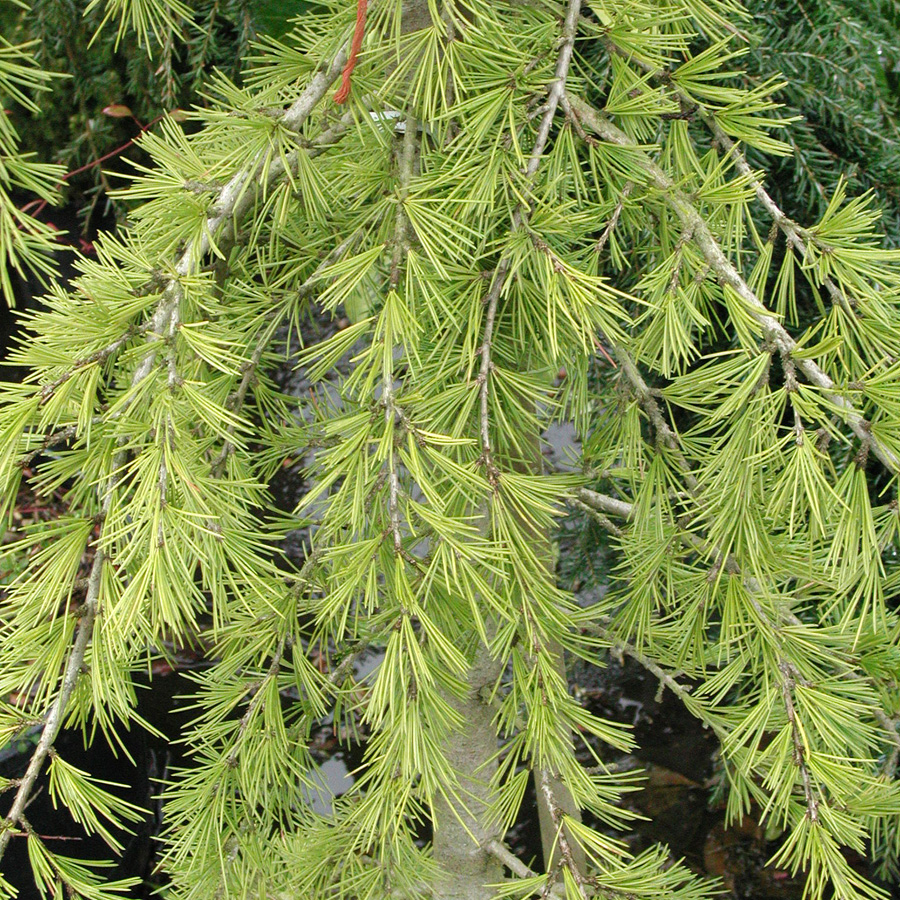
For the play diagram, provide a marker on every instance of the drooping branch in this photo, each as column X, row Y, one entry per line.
column 558, row 86
column 797, row 236
column 566, row 851
column 56, row 715
column 665, row 679
column 664, row 432
column 787, row 671
column 491, row 301
column 624, row 510
column 728, row 275
column 555, row 652
column 238, row 397
column 232, row 202
column 606, row 504
column 787, row 683
column 778, row 338
column 401, row 246
column 258, row 698
column 600, row 518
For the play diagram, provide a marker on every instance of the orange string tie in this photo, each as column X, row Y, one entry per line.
column 343, row 92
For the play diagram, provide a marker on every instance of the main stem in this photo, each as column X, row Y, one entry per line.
column 460, row 817
column 461, row 832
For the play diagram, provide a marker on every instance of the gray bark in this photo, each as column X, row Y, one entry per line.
column 460, row 830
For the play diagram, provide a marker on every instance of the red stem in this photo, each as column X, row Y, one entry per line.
column 40, row 205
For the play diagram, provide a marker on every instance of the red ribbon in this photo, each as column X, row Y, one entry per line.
column 343, row 91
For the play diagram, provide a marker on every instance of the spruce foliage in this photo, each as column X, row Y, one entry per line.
column 117, row 69
column 841, row 70
column 511, row 189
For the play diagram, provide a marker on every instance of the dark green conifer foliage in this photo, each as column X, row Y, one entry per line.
column 511, row 188
column 110, row 80
column 841, row 69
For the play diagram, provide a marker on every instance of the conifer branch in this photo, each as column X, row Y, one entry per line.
column 87, row 615
column 401, row 245
column 53, row 723
column 595, row 502
column 510, row 860
column 57, row 437
column 787, row 685
column 624, row 510
column 336, row 676
column 784, row 343
column 54, row 720
column 787, row 671
column 558, row 87
column 84, row 630
column 606, row 504
column 551, row 889
column 285, row 643
column 602, row 520
column 555, row 653
column 665, row 679
column 233, row 200
column 798, row 715
column 613, row 219
column 258, row 699
column 237, row 398
column 661, row 427
column 168, row 429
column 47, row 390
column 729, row 276
column 491, row 301
column 796, row 236
column 519, row 869
column 567, row 856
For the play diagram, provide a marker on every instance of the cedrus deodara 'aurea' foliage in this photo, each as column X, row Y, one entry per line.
column 511, row 188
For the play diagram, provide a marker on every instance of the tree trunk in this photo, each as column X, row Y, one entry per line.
column 460, row 831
